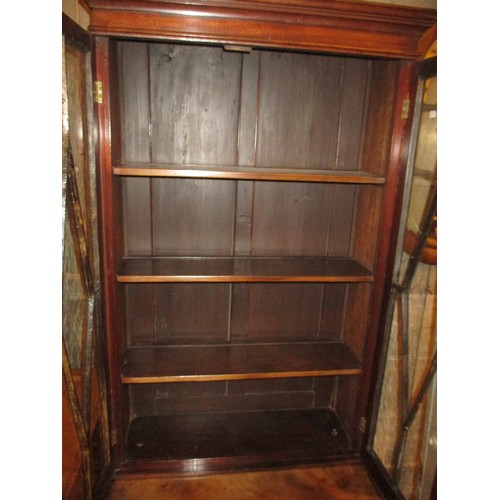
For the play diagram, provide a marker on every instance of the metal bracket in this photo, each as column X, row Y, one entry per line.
column 362, row 424
column 98, row 92
column 405, row 108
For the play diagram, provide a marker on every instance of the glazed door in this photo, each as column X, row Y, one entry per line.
column 86, row 455
column 402, row 443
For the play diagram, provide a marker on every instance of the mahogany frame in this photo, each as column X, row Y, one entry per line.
column 318, row 26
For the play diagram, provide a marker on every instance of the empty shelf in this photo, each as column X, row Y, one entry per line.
column 241, row 269
column 142, row 365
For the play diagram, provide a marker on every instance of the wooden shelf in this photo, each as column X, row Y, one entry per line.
column 246, row 173
column 241, row 269
column 206, row 441
column 158, row 364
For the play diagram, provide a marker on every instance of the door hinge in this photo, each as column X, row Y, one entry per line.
column 405, row 108
column 362, row 424
column 98, row 91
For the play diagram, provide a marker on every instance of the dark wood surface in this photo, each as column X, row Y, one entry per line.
column 239, row 269
column 222, row 141
column 187, row 313
column 271, row 394
column 158, row 364
column 250, row 437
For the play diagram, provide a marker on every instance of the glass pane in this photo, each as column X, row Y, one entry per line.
column 412, row 333
column 423, row 180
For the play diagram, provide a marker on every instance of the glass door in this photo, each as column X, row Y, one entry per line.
column 403, row 441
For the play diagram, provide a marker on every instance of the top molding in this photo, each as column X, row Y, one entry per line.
column 315, row 25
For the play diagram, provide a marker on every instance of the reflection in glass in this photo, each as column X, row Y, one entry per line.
column 409, row 366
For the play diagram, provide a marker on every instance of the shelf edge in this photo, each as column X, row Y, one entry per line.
column 335, row 177
column 158, row 379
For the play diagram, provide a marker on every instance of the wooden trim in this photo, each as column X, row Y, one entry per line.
column 246, row 173
column 241, row 270
column 105, row 190
column 385, row 259
column 320, row 25
column 428, row 38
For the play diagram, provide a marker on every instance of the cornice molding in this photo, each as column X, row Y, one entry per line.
column 317, row 25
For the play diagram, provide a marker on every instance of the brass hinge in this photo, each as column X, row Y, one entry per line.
column 98, row 91
column 405, row 108
column 362, row 424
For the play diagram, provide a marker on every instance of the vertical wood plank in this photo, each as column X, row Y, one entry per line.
column 191, row 313
column 246, row 151
column 332, row 312
column 275, row 312
column 366, row 225
column 193, row 217
column 135, row 121
column 134, row 84
column 136, row 196
column 352, row 112
column 196, row 96
column 378, row 132
column 139, row 307
column 299, row 93
column 248, row 108
column 243, row 218
column 290, row 219
column 358, row 300
column 342, row 212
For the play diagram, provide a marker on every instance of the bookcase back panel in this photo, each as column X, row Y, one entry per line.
column 189, row 104
column 134, row 103
column 297, row 94
column 201, row 217
column 192, row 216
column 216, row 313
column 379, row 116
column 248, row 395
column 197, row 96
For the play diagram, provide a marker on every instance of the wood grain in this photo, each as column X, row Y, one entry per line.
column 340, row 27
column 145, row 365
column 192, row 217
column 239, row 269
column 218, row 123
column 138, row 169
column 289, row 133
column 346, row 482
column 196, row 94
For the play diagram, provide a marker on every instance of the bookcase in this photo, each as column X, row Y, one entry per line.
column 250, row 171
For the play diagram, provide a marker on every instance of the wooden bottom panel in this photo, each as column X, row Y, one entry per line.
column 195, row 443
column 338, row 481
